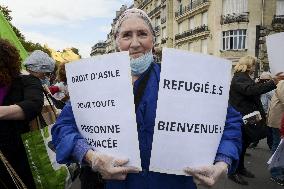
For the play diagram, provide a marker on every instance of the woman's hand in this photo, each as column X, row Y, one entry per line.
column 108, row 166
column 208, row 175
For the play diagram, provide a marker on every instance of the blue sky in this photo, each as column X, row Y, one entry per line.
column 65, row 23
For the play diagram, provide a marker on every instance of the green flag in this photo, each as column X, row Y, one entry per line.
column 6, row 32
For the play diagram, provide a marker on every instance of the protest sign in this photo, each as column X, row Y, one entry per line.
column 191, row 110
column 275, row 52
column 103, row 104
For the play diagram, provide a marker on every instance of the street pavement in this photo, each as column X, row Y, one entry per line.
column 256, row 163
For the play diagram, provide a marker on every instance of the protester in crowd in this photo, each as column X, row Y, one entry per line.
column 59, row 90
column 134, row 33
column 265, row 101
column 53, row 75
column 40, row 65
column 21, row 100
column 245, row 97
column 275, row 112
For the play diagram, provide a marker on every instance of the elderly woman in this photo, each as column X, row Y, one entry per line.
column 245, row 98
column 21, row 100
column 134, row 33
column 40, row 65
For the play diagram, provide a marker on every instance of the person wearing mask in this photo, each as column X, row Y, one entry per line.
column 60, row 90
column 275, row 112
column 21, row 100
column 40, row 65
column 245, row 98
column 134, row 33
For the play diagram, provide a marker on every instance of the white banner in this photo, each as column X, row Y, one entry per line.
column 275, row 52
column 103, row 104
column 191, row 110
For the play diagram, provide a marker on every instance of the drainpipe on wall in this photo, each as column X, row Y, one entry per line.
column 258, row 28
column 262, row 12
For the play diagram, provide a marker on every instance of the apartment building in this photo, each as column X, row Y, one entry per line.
column 225, row 28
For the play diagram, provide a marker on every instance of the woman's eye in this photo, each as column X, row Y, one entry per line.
column 142, row 33
column 126, row 35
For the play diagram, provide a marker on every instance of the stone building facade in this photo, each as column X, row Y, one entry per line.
column 225, row 28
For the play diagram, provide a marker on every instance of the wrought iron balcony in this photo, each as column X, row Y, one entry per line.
column 99, row 45
column 164, row 40
column 157, row 29
column 189, row 7
column 154, row 11
column 163, row 20
column 143, row 3
column 191, row 32
column 233, row 18
column 278, row 19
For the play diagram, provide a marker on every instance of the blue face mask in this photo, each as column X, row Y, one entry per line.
column 141, row 64
column 45, row 81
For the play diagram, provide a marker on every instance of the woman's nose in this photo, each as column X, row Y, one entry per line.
column 134, row 42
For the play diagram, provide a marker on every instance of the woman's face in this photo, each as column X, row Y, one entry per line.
column 135, row 36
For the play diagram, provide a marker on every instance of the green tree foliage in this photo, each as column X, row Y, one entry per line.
column 76, row 51
column 6, row 13
column 28, row 45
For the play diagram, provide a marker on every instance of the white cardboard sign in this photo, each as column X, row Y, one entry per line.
column 103, row 104
column 191, row 110
column 275, row 52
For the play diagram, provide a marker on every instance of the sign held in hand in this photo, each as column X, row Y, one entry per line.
column 191, row 110
column 102, row 101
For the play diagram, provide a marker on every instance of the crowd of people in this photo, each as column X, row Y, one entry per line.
column 255, row 111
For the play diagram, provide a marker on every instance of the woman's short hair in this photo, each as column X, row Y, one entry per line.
column 10, row 62
column 245, row 63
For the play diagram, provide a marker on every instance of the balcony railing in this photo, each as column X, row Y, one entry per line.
column 278, row 19
column 99, row 45
column 164, row 40
column 143, row 3
column 154, row 11
column 163, row 20
column 189, row 7
column 191, row 32
column 233, row 18
column 157, row 29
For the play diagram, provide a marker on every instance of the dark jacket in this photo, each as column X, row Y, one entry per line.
column 25, row 91
column 245, row 93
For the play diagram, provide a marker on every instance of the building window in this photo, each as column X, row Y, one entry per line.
column 204, row 18
column 280, row 7
column 234, row 39
column 156, row 3
column 157, row 21
column 191, row 23
column 180, row 7
column 179, row 28
column 204, row 46
column 235, row 6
